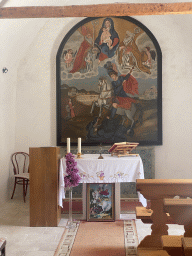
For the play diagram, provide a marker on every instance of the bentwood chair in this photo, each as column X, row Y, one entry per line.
column 20, row 161
column 2, row 246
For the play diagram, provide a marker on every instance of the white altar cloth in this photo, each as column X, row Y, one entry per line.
column 111, row 169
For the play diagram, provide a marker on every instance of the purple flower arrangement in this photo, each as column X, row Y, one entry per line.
column 72, row 177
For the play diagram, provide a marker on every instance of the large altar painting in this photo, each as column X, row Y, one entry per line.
column 109, row 83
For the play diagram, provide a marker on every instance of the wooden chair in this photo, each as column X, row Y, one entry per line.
column 20, row 161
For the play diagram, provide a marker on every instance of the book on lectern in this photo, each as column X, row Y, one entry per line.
column 123, row 148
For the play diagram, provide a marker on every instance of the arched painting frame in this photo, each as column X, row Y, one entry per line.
column 109, row 83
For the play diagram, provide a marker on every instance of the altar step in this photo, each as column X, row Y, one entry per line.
column 77, row 206
column 127, row 205
column 145, row 215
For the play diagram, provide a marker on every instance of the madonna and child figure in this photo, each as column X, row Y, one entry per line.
column 107, row 40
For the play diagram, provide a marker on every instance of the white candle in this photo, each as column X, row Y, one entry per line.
column 68, row 145
column 79, row 145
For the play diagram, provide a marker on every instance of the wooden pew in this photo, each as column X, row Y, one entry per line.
column 156, row 190
column 152, row 253
column 172, row 245
column 181, row 211
column 177, row 245
column 144, row 214
column 187, row 245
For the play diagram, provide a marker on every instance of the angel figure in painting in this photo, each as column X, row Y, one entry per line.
column 68, row 58
column 150, row 56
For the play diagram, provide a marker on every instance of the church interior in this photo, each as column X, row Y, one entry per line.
column 28, row 76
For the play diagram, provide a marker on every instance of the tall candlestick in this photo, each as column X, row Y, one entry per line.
column 79, row 145
column 68, row 145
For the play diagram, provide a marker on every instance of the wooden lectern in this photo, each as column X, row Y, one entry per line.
column 44, row 187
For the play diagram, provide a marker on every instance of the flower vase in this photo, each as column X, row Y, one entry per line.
column 70, row 223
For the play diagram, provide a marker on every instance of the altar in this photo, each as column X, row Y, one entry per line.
column 110, row 169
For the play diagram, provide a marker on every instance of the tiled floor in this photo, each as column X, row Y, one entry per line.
column 23, row 240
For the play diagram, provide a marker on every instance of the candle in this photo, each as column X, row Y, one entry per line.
column 79, row 145
column 68, row 145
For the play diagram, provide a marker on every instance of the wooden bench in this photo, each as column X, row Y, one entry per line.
column 156, row 190
column 187, row 245
column 144, row 215
column 2, row 246
column 172, row 245
column 181, row 211
column 142, row 252
column 177, row 245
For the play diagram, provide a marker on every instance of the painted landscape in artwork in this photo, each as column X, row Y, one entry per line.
column 108, row 88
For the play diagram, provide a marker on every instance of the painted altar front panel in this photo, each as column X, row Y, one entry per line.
column 109, row 83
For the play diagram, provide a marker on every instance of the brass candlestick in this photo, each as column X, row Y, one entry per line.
column 100, row 157
column 79, row 155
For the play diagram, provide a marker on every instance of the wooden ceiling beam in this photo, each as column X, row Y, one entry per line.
column 100, row 10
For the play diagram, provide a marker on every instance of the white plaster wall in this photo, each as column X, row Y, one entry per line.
column 7, row 131
column 15, row 38
column 36, row 86
column 173, row 32
column 174, row 35
column 28, row 49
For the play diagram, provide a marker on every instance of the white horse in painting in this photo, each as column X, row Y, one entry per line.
column 105, row 100
column 105, row 96
column 129, row 113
